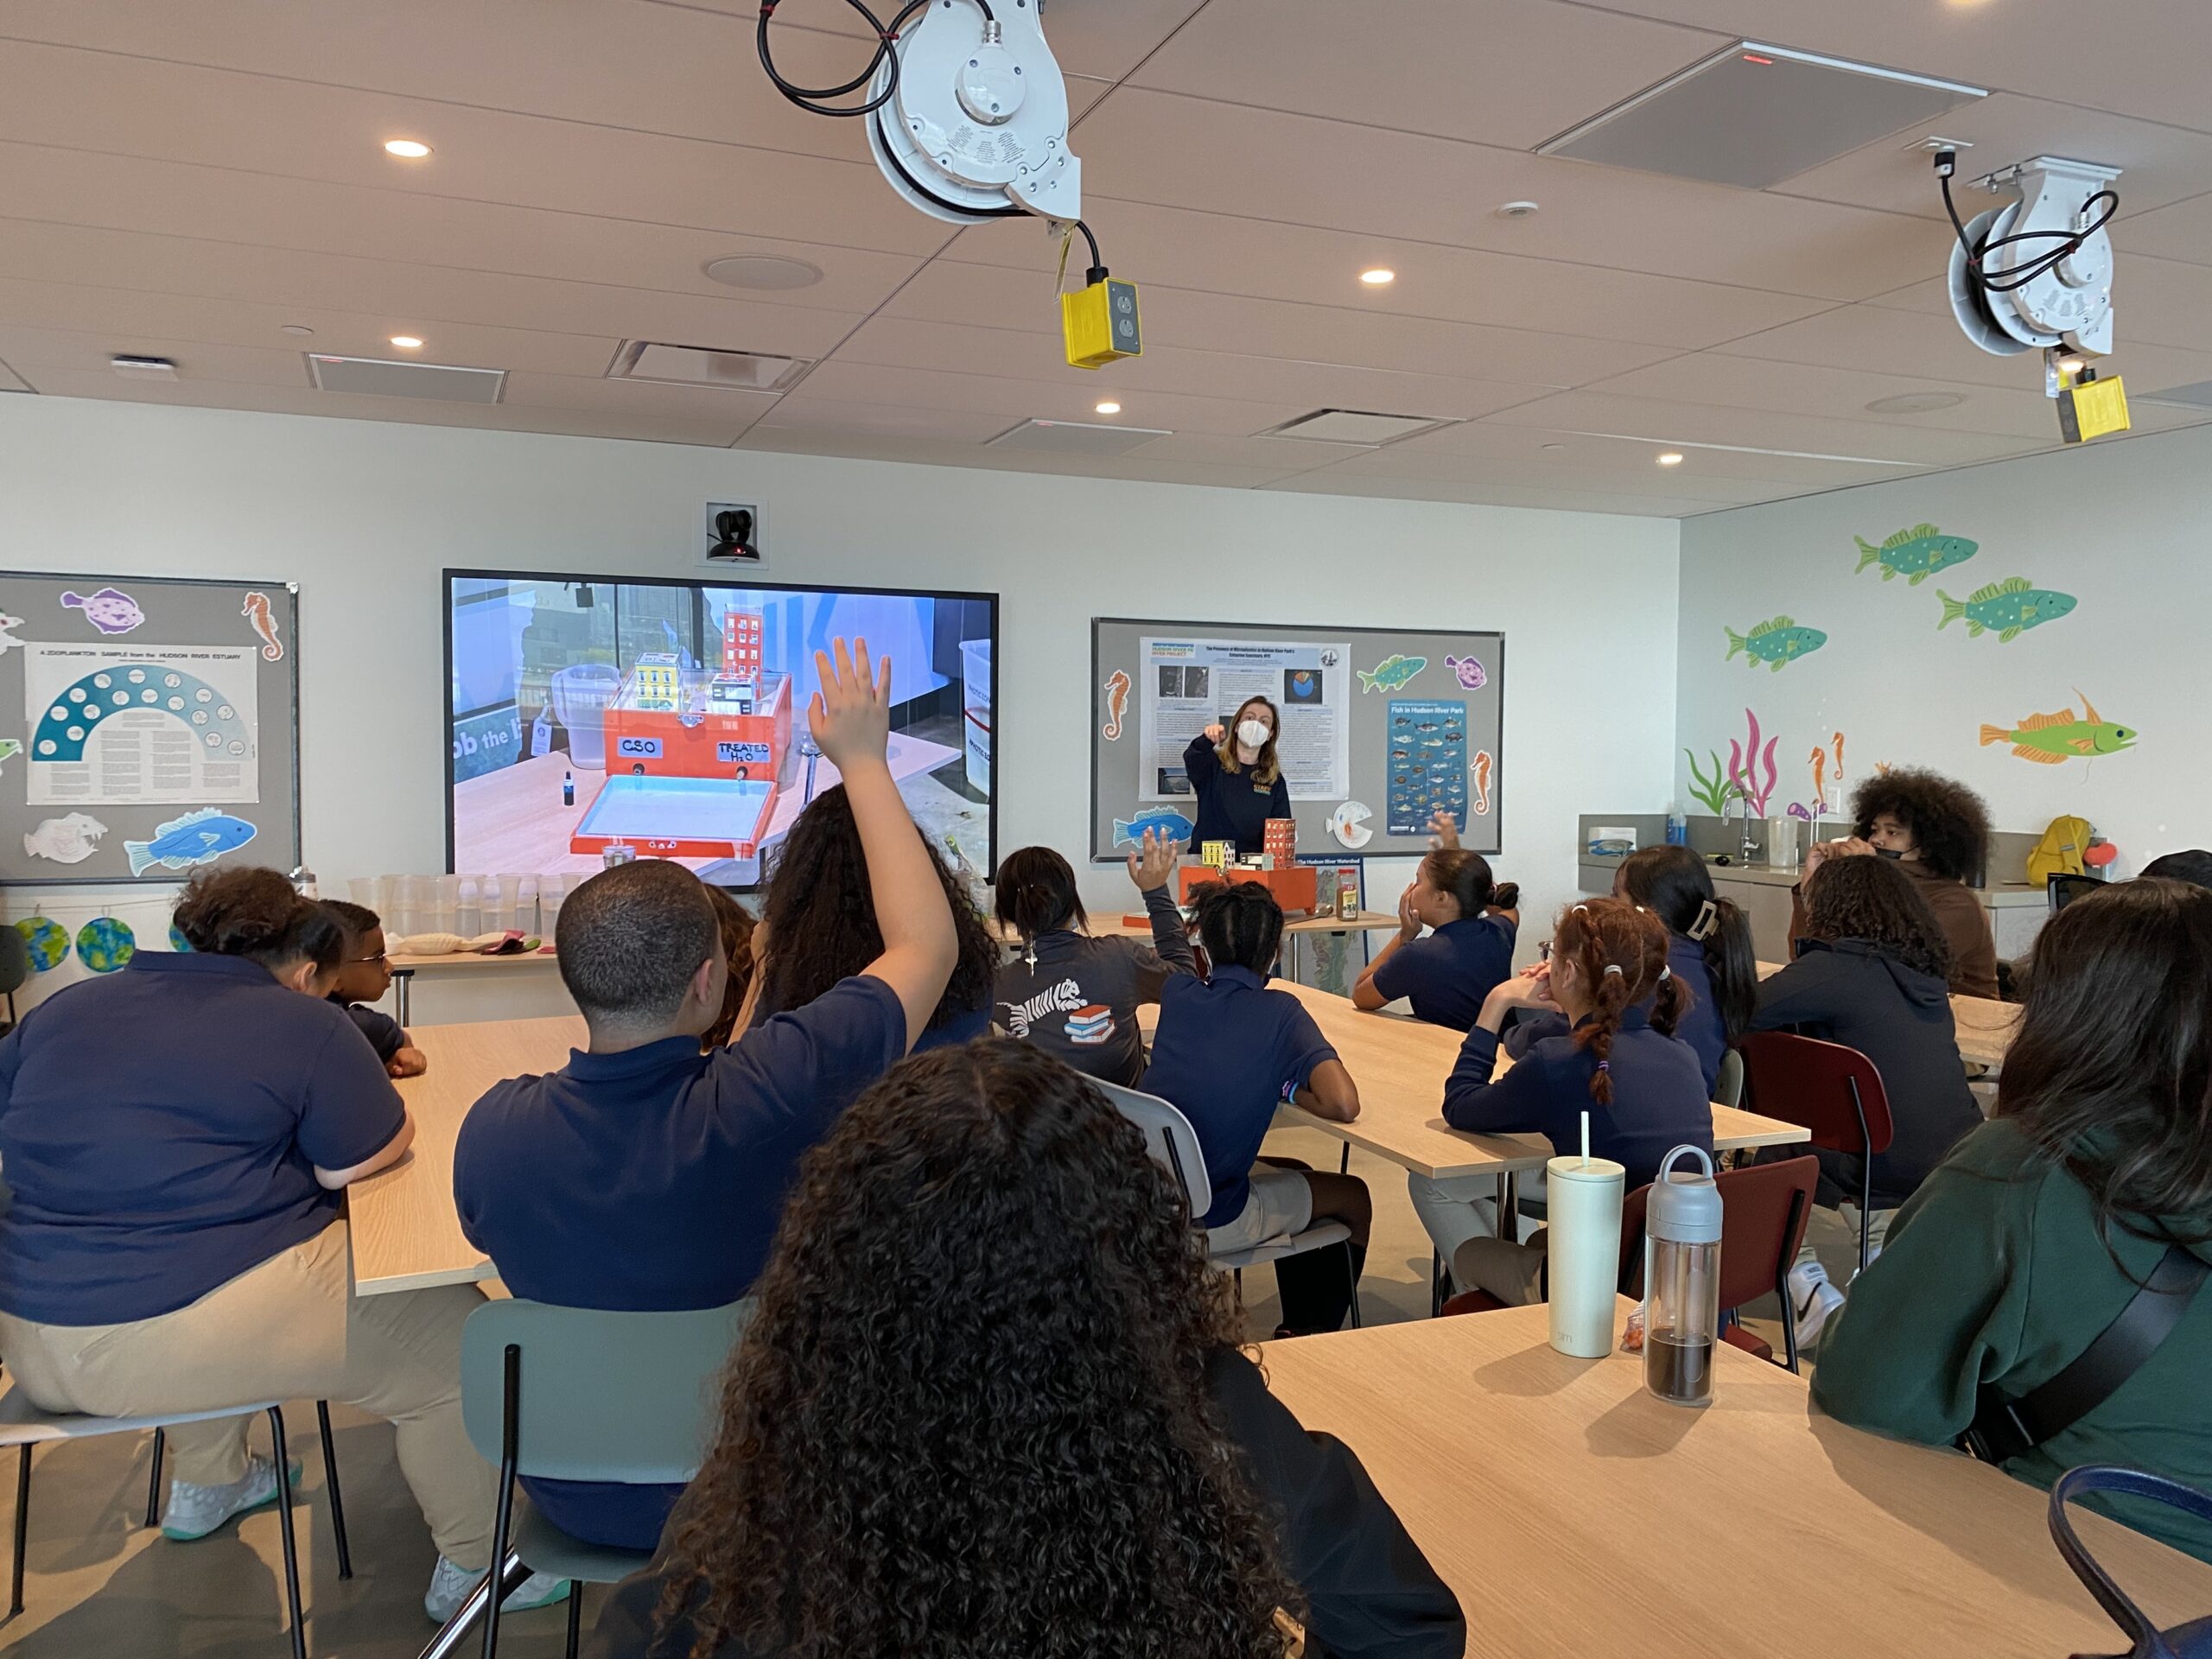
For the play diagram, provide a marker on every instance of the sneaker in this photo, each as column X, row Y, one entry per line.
column 1812, row 1298
column 195, row 1511
column 450, row 1585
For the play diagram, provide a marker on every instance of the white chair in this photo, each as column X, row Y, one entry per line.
column 24, row 1425
column 1173, row 1145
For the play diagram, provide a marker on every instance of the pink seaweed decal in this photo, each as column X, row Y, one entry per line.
column 1745, row 762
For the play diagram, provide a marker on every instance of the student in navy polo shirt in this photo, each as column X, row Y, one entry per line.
column 1228, row 1051
column 1619, row 1061
column 818, row 925
column 648, row 1175
column 1447, row 975
column 364, row 977
column 177, row 1240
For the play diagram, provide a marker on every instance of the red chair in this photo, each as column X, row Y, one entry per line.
column 1833, row 1091
column 1765, row 1208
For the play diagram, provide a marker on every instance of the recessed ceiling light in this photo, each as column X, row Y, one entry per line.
column 1378, row 276
column 762, row 271
column 1555, row 446
column 412, row 149
column 1516, row 209
column 1916, row 403
column 1671, row 458
column 298, row 330
column 407, row 342
column 1109, row 407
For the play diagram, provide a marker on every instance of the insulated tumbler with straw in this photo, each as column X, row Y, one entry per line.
column 1583, row 1262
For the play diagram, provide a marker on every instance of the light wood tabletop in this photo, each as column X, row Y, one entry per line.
column 406, row 1232
column 1118, row 925
column 1575, row 1514
column 1985, row 1025
column 1401, row 1063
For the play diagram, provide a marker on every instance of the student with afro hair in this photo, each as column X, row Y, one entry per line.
column 1937, row 830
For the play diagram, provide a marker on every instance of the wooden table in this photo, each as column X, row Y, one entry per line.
column 1985, row 1025
column 405, row 971
column 1401, row 1063
column 1575, row 1516
column 406, row 1233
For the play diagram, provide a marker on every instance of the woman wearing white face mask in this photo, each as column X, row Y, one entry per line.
column 1239, row 784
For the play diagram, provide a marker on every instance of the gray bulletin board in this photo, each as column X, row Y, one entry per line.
column 1388, row 723
column 148, row 726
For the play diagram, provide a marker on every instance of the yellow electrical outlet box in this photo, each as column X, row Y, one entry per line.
column 2092, row 408
column 1100, row 324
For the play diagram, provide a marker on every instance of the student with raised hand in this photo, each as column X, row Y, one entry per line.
column 1228, row 1051
column 1869, row 975
column 648, row 1175
column 1446, row 975
column 819, row 925
column 1936, row 830
column 1074, row 995
column 179, row 1137
column 2025, row 1244
column 1618, row 1061
column 993, row 1404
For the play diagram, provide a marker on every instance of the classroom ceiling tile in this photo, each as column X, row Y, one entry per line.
column 190, row 181
column 1424, row 66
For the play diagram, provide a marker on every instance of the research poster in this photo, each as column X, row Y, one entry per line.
column 114, row 725
column 1188, row 684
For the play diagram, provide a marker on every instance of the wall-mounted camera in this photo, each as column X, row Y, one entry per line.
column 733, row 537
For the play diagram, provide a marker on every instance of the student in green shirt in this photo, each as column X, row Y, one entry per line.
column 2021, row 1247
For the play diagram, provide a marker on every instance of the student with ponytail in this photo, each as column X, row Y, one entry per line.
column 1446, row 974
column 1708, row 947
column 1618, row 1060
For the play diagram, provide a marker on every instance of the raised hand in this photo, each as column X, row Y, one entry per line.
column 1443, row 831
column 1215, row 732
column 850, row 714
column 1153, row 864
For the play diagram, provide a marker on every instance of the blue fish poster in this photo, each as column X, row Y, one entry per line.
column 1428, row 769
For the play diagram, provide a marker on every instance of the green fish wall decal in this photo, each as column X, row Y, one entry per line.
column 1773, row 643
column 1914, row 554
column 2004, row 609
column 2052, row 740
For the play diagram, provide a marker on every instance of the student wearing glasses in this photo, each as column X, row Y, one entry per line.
column 364, row 976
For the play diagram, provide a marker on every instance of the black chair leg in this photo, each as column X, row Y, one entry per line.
column 1437, row 1282
column 576, row 1616
column 1352, row 1282
column 23, row 1529
column 285, row 1532
column 154, row 1481
column 330, row 1480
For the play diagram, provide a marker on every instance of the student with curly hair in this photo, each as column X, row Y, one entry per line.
column 993, row 1405
column 1869, row 975
column 2026, row 1242
column 1937, row 831
column 1446, row 975
column 735, row 922
column 818, row 925
column 1228, row 1051
column 1074, row 995
column 1619, row 1061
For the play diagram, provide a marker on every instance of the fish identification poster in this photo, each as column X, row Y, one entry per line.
column 1186, row 684
column 113, row 724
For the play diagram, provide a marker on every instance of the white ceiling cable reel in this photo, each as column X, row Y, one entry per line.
column 2036, row 272
column 966, row 111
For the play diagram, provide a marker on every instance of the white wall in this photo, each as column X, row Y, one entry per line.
column 363, row 516
column 2123, row 526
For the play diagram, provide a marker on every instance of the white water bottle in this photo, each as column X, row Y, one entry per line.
column 1584, row 1199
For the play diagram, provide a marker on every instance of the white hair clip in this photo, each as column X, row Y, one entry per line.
column 1615, row 967
column 1708, row 918
column 1665, row 973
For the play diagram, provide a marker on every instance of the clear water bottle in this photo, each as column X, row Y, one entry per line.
column 1678, row 828
column 1681, row 1281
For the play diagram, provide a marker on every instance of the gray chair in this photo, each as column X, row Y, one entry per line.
column 24, row 1425
column 1728, row 1081
column 581, row 1393
column 1173, row 1145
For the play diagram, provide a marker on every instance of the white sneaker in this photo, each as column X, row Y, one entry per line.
column 195, row 1511
column 1812, row 1298
column 450, row 1585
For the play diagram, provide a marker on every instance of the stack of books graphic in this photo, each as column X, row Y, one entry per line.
column 1090, row 1025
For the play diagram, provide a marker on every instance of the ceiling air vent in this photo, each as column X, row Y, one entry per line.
column 705, row 365
column 1354, row 426
column 384, row 377
column 1754, row 115
column 1075, row 438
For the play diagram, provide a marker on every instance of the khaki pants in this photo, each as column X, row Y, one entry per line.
column 290, row 1329
column 1512, row 1272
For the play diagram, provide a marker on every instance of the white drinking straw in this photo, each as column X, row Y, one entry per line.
column 1585, row 1139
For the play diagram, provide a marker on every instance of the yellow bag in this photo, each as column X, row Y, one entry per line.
column 2059, row 852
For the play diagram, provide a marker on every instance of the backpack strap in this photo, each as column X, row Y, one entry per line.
column 2005, row 1427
